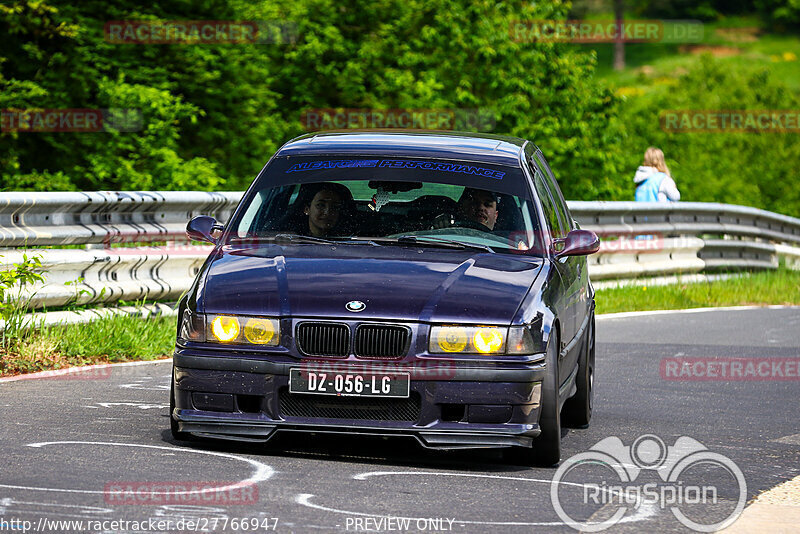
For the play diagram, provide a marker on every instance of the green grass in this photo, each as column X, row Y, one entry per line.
column 114, row 339
column 647, row 63
column 763, row 288
column 127, row 338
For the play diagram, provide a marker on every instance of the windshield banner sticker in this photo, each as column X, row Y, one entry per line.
column 438, row 166
column 398, row 164
column 314, row 165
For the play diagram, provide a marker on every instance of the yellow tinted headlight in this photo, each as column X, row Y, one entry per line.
column 225, row 328
column 261, row 331
column 452, row 339
column 243, row 330
column 488, row 340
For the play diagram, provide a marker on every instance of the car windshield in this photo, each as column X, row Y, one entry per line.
column 377, row 202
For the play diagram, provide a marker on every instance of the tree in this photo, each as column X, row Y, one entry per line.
column 213, row 114
column 619, row 45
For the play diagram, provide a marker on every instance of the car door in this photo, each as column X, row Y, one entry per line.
column 573, row 274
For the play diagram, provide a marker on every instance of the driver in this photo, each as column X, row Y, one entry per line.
column 480, row 206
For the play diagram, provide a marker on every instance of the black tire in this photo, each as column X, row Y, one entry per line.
column 577, row 410
column 546, row 450
column 173, row 424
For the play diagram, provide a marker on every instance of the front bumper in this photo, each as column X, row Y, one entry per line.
column 452, row 404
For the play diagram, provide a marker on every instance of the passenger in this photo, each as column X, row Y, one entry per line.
column 479, row 206
column 328, row 207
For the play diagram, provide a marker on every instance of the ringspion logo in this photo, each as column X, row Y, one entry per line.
column 704, row 490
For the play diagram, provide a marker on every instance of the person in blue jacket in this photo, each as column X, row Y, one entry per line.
column 653, row 180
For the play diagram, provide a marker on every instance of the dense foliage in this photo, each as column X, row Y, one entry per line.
column 212, row 114
column 749, row 168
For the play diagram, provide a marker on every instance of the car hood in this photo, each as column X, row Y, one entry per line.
column 395, row 283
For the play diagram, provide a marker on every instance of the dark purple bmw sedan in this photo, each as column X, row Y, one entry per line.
column 423, row 284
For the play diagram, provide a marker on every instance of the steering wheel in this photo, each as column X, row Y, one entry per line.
column 447, row 220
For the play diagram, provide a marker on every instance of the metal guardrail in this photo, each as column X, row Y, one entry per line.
column 649, row 239
column 40, row 219
column 731, row 237
column 686, row 218
column 78, row 277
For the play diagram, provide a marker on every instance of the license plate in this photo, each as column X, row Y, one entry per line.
column 349, row 384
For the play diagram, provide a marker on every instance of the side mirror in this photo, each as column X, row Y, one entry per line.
column 579, row 243
column 202, row 228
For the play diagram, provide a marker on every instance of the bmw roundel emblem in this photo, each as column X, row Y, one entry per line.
column 355, row 306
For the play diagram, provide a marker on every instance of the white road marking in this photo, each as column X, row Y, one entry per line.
column 644, row 512
column 134, row 404
column 140, row 384
column 794, row 439
column 163, row 387
column 261, row 471
column 83, row 511
column 623, row 315
column 88, row 509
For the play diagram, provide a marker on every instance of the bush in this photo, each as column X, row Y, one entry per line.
column 213, row 114
column 752, row 169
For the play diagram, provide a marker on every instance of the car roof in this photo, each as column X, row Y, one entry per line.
column 463, row 146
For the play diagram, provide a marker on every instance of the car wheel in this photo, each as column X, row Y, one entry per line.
column 546, row 450
column 578, row 409
column 173, row 424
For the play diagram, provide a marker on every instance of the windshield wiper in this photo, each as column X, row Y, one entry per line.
column 438, row 241
column 298, row 238
column 304, row 239
column 374, row 241
column 281, row 237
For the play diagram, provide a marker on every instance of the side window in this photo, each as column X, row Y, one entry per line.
column 558, row 198
column 246, row 223
column 550, row 213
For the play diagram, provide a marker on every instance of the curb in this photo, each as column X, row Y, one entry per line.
column 77, row 370
column 776, row 510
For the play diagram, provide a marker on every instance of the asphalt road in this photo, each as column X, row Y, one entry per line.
column 69, row 445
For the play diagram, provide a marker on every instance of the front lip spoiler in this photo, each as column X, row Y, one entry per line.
column 530, row 372
column 250, row 431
